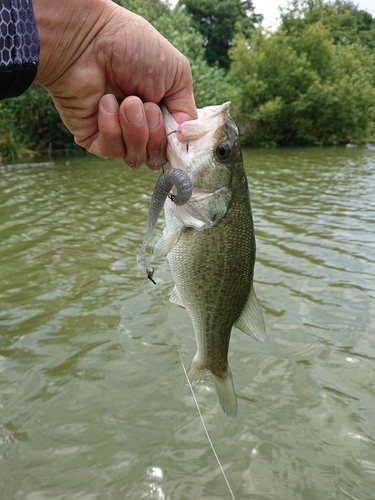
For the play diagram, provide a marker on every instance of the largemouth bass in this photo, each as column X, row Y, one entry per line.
column 209, row 242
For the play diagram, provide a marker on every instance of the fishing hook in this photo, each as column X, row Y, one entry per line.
column 161, row 147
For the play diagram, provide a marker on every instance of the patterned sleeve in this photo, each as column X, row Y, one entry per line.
column 19, row 47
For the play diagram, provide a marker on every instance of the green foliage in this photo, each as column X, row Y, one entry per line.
column 176, row 26
column 341, row 108
column 211, row 85
column 300, row 85
column 346, row 23
column 30, row 123
column 151, row 10
column 216, row 20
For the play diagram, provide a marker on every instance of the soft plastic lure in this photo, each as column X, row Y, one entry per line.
column 164, row 185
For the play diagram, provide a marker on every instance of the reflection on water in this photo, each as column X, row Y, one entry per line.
column 92, row 401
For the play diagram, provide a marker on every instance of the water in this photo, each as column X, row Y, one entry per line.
column 92, row 400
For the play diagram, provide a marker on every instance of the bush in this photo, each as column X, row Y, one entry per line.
column 299, row 86
column 30, row 123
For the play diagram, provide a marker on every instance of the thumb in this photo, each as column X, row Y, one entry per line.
column 182, row 109
column 181, row 103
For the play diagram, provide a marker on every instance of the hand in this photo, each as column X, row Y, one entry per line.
column 107, row 69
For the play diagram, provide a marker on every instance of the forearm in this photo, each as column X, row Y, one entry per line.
column 19, row 47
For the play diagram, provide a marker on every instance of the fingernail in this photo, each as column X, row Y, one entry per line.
column 134, row 112
column 135, row 164
column 153, row 116
column 109, row 103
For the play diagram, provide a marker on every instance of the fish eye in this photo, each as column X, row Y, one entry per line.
column 223, row 151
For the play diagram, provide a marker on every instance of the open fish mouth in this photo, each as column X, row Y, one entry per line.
column 195, row 137
column 210, row 118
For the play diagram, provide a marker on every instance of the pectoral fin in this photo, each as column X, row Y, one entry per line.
column 166, row 243
column 189, row 220
column 251, row 320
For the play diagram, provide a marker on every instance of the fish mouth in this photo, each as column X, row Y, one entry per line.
column 209, row 120
column 194, row 139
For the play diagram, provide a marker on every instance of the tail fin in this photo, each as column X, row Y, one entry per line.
column 224, row 387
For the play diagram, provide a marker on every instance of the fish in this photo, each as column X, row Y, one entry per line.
column 209, row 242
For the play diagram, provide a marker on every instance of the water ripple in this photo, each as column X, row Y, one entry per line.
column 93, row 402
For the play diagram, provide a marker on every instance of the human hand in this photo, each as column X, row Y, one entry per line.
column 107, row 69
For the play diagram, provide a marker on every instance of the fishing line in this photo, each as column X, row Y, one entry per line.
column 196, row 402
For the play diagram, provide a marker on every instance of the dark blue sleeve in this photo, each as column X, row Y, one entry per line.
column 19, row 47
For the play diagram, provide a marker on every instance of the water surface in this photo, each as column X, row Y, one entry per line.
column 92, row 400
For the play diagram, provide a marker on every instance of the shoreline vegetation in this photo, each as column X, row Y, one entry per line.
column 309, row 82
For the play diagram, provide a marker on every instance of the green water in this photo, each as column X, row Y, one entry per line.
column 92, row 397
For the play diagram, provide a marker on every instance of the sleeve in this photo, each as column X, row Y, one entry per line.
column 19, row 47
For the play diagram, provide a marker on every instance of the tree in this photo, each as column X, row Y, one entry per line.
column 301, row 85
column 346, row 22
column 30, row 123
column 149, row 9
column 216, row 20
